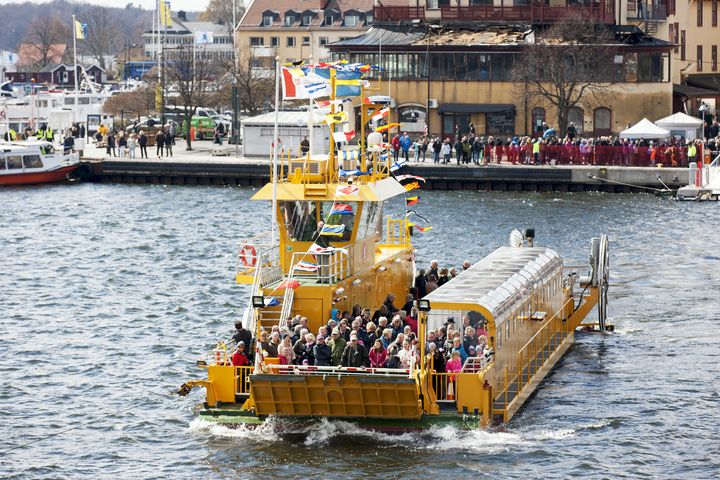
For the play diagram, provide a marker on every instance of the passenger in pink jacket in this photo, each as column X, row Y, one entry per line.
column 377, row 355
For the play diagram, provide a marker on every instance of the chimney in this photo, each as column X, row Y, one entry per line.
column 182, row 15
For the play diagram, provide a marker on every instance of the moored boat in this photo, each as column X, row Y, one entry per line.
column 32, row 162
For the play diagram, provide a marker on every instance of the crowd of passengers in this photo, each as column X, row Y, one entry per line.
column 386, row 337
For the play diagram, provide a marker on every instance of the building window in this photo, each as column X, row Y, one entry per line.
column 682, row 45
column 351, row 20
column 714, row 13
column 538, row 117
column 699, row 58
column 289, row 20
column 274, row 41
column 413, row 118
column 676, row 38
column 307, row 20
column 306, row 41
column 369, row 18
column 500, row 123
column 601, row 121
column 267, row 21
column 290, row 41
column 700, row 14
column 576, row 116
column 328, row 20
column 713, row 58
column 256, row 41
column 323, row 41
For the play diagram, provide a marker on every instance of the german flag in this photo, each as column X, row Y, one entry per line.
column 410, row 201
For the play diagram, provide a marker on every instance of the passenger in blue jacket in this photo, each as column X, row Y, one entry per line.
column 405, row 144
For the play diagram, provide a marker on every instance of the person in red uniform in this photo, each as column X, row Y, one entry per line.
column 239, row 358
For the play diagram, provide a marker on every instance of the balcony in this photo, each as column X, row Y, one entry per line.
column 651, row 10
column 536, row 11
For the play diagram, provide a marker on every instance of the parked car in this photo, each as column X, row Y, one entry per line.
column 204, row 127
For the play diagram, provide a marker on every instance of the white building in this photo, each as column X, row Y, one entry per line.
column 8, row 63
column 257, row 133
column 212, row 40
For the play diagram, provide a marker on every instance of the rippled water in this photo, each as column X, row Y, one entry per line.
column 110, row 292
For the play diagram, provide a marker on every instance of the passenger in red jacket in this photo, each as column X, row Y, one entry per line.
column 239, row 358
column 378, row 355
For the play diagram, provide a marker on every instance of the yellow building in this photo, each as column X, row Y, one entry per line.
column 298, row 29
column 461, row 71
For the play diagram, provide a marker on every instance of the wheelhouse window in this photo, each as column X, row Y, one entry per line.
column 14, row 161
column 32, row 161
column 300, row 220
column 370, row 220
column 339, row 213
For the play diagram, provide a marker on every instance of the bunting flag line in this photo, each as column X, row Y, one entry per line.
column 413, row 212
column 409, row 177
column 271, row 302
column 410, row 201
column 352, row 173
column 347, row 83
column 385, row 128
column 333, row 118
column 327, row 103
column 384, row 113
column 411, row 186
column 341, row 209
column 315, row 248
column 304, row 266
column 397, row 165
column 332, row 230
column 299, row 84
column 293, row 284
column 423, row 229
column 347, row 190
column 343, row 136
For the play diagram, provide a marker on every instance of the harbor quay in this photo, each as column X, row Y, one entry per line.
column 201, row 167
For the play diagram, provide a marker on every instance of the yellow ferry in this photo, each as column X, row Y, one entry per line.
column 528, row 300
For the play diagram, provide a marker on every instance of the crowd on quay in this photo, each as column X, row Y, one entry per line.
column 384, row 337
column 125, row 144
column 551, row 148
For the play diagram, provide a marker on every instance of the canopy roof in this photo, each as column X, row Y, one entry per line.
column 679, row 119
column 371, row 192
column 499, row 283
column 645, row 129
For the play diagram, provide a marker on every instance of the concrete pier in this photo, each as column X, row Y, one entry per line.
column 200, row 168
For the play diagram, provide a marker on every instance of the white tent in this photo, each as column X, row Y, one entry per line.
column 644, row 129
column 682, row 125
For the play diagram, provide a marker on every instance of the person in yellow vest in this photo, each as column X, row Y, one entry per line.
column 49, row 134
column 40, row 134
column 536, row 151
column 13, row 135
column 103, row 130
column 691, row 152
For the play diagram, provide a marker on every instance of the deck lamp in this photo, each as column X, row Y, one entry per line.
column 424, row 305
column 258, row 301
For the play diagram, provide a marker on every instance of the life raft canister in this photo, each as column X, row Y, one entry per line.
column 248, row 255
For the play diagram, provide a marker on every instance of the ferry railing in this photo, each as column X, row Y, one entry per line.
column 444, row 385
column 397, row 232
column 242, row 379
column 259, row 257
column 533, row 355
column 332, row 370
column 330, row 266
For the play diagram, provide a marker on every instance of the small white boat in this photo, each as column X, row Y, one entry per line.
column 31, row 162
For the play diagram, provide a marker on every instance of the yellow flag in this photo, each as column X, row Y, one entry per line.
column 80, row 30
column 412, row 186
column 165, row 19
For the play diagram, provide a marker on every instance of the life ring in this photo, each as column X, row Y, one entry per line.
column 248, row 255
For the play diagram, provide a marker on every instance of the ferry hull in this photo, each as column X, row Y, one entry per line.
column 59, row 175
column 233, row 418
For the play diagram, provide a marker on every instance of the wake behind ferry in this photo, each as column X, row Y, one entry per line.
column 337, row 260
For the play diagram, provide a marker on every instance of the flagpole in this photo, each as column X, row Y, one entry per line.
column 75, row 73
column 310, row 116
column 276, row 145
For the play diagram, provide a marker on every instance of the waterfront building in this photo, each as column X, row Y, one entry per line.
column 8, row 63
column 456, row 62
column 299, row 29
column 211, row 40
column 61, row 76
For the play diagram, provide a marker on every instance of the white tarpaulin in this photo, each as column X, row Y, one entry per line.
column 682, row 125
column 644, row 129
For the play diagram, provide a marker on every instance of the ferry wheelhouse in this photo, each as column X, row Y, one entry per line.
column 31, row 162
column 525, row 295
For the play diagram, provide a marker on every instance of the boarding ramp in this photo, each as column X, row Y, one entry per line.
column 311, row 391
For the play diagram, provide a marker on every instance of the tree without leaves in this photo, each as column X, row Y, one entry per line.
column 256, row 86
column 43, row 34
column 191, row 79
column 136, row 103
column 102, row 35
column 221, row 11
column 569, row 64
